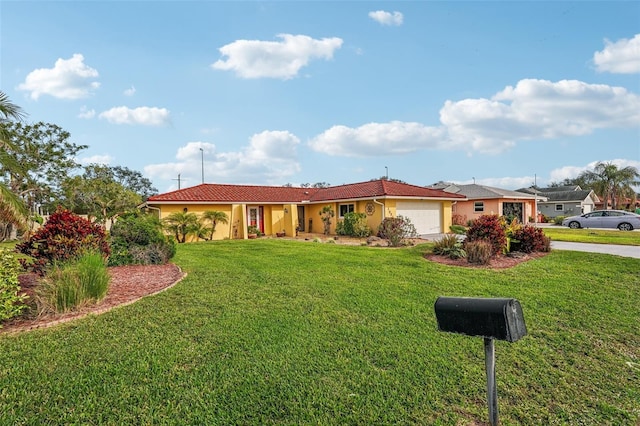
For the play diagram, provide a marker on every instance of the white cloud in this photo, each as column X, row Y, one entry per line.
column 376, row 139
column 570, row 172
column 621, row 57
column 387, row 18
column 68, row 79
column 275, row 59
column 146, row 116
column 130, row 91
column 270, row 157
column 86, row 113
column 96, row 159
column 533, row 109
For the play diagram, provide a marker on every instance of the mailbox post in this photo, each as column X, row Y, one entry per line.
column 490, row 318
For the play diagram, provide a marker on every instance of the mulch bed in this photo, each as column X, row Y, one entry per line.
column 128, row 284
column 499, row 262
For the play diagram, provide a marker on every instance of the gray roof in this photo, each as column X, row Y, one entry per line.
column 474, row 192
column 560, row 189
column 580, row 195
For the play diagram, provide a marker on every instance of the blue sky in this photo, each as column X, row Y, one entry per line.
column 500, row 93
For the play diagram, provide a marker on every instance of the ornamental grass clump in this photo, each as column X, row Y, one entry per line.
column 449, row 246
column 479, row 252
column 73, row 283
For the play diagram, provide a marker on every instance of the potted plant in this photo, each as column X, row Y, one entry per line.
column 253, row 232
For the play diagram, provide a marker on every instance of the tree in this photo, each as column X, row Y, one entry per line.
column 105, row 192
column 181, row 224
column 12, row 208
column 612, row 183
column 214, row 217
column 46, row 157
column 389, row 179
column 326, row 214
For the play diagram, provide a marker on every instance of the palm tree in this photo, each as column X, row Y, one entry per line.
column 181, row 224
column 613, row 183
column 214, row 217
column 12, row 207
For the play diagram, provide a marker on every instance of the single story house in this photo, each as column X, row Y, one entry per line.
column 482, row 199
column 564, row 200
column 289, row 209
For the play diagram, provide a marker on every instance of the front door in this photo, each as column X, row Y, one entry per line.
column 513, row 210
column 254, row 214
column 301, row 218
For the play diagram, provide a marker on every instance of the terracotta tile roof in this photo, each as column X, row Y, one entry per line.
column 380, row 188
column 209, row 193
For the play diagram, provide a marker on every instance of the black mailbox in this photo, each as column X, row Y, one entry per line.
column 493, row 318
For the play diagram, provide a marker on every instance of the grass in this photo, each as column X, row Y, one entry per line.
column 290, row 333
column 597, row 236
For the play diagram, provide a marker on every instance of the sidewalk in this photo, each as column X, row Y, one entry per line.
column 618, row 250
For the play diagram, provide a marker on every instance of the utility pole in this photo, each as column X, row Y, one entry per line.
column 387, row 171
column 535, row 201
column 202, row 157
column 178, row 180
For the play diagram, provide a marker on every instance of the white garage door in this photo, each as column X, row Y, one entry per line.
column 425, row 215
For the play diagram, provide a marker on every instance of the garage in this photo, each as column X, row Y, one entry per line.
column 424, row 215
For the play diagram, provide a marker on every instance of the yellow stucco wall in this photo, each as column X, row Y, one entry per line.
column 275, row 218
column 284, row 217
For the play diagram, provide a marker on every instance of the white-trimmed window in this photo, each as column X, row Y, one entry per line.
column 559, row 207
column 346, row 208
column 478, row 206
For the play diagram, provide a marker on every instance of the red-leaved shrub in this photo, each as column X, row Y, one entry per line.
column 532, row 239
column 491, row 229
column 64, row 236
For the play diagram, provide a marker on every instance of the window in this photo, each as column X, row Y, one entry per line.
column 345, row 208
column 559, row 207
column 478, row 206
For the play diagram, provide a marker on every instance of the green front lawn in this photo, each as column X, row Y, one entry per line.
column 597, row 236
column 283, row 332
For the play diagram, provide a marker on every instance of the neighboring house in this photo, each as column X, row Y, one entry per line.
column 287, row 209
column 483, row 199
column 564, row 200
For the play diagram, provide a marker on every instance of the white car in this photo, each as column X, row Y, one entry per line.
column 624, row 221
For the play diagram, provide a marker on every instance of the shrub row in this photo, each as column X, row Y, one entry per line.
column 10, row 298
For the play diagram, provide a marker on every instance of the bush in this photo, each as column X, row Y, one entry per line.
column 479, row 251
column 396, row 230
column 491, row 229
column 10, row 301
column 558, row 220
column 63, row 237
column 458, row 219
column 74, row 282
column 354, row 225
column 532, row 239
column 449, row 246
column 254, row 230
column 153, row 254
column 137, row 238
column 458, row 229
